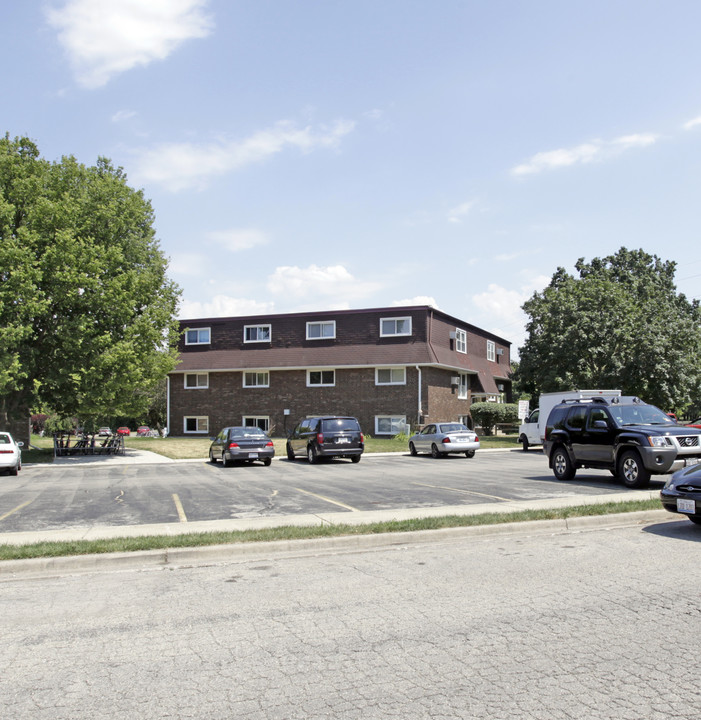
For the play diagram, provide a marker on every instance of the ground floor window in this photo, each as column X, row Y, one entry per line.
column 257, row 421
column 196, row 424
column 466, row 420
column 390, row 424
column 256, row 379
column 463, row 386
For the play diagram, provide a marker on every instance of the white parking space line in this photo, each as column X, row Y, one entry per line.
column 328, row 500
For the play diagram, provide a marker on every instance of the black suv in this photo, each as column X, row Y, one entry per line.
column 622, row 434
column 328, row 436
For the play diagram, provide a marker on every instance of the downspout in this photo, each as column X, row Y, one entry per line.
column 420, row 411
column 168, row 404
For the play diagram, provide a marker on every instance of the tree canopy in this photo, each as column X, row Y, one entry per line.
column 87, row 312
column 620, row 324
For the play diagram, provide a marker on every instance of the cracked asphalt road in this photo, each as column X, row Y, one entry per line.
column 591, row 625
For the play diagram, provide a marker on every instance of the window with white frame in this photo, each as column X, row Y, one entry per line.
column 390, row 424
column 198, row 336
column 256, row 333
column 460, row 340
column 392, row 327
column 323, row 330
column 259, row 421
column 463, row 385
column 321, row 378
column 256, row 379
column 390, row 376
column 491, row 351
column 196, row 424
column 196, row 381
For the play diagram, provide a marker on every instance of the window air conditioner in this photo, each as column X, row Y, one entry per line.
column 455, row 380
column 500, row 351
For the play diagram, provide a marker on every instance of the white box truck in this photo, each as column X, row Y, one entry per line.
column 532, row 429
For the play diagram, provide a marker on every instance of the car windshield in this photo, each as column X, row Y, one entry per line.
column 639, row 415
column 339, row 424
column 452, row 427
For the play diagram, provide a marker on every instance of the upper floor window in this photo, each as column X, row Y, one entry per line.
column 196, row 380
column 491, row 351
column 256, row 333
column 256, row 379
column 390, row 327
column 321, row 378
column 460, row 340
column 198, row 336
column 390, row 376
column 321, row 330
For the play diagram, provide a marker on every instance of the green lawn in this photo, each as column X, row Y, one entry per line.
column 181, row 448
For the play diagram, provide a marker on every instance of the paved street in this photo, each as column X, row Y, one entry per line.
column 591, row 625
column 70, row 496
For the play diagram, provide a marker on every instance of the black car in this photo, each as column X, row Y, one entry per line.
column 630, row 438
column 241, row 443
column 682, row 493
column 326, row 437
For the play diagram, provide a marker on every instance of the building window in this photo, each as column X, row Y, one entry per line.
column 321, row 378
column 321, row 330
column 491, row 351
column 390, row 424
column 463, row 386
column 460, row 340
column 196, row 425
column 256, row 379
column 256, row 333
column 257, row 421
column 200, row 336
column 197, row 381
column 390, row 376
column 391, row 327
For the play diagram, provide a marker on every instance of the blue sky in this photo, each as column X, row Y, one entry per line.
column 306, row 154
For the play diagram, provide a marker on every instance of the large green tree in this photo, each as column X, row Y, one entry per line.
column 619, row 324
column 87, row 312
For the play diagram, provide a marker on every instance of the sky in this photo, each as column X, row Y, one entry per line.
column 306, row 155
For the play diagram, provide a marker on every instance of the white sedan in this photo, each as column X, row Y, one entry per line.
column 10, row 454
column 444, row 438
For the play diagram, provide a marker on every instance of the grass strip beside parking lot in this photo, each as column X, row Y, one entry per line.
column 287, row 532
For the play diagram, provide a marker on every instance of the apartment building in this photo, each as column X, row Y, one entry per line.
column 393, row 368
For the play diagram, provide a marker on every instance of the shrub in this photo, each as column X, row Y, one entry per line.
column 489, row 414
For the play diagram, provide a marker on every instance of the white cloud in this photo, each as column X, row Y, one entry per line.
column 224, row 306
column 237, row 240
column 178, row 166
column 106, row 37
column 594, row 151
column 189, row 264
column 417, row 300
column 295, row 283
column 458, row 213
column 692, row 123
column 123, row 116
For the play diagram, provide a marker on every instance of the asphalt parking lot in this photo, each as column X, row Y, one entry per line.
column 70, row 496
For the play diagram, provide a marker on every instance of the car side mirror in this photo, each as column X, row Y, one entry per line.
column 20, row 444
column 600, row 425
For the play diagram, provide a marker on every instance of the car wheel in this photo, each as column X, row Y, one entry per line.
column 290, row 452
column 412, row 449
column 696, row 519
column 212, row 459
column 267, row 462
column 469, row 453
column 632, row 471
column 434, row 451
column 224, row 461
column 562, row 465
column 524, row 443
column 355, row 458
column 14, row 470
column 311, row 455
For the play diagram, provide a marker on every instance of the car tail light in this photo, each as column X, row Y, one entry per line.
column 269, row 444
column 362, row 438
column 6, row 452
column 233, row 445
column 320, row 438
column 445, row 440
column 477, row 438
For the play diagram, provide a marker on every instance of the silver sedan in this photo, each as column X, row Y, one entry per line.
column 444, row 438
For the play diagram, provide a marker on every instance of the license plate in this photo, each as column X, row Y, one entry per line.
column 341, row 440
column 686, row 506
column 252, row 456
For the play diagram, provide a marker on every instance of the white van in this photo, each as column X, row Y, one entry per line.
column 532, row 430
